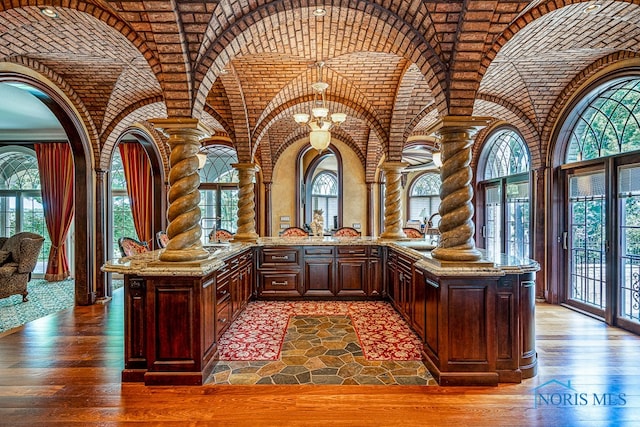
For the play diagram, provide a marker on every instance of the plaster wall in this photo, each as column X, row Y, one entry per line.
column 354, row 197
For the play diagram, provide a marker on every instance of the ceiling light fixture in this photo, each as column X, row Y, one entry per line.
column 320, row 121
column 48, row 12
column 320, row 12
column 592, row 8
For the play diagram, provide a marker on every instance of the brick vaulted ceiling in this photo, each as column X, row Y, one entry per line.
column 245, row 66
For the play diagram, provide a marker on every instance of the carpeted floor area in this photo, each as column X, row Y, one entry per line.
column 45, row 298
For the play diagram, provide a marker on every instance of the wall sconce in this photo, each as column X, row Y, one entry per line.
column 202, row 159
column 436, row 154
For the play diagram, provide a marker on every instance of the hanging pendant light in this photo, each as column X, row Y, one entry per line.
column 320, row 121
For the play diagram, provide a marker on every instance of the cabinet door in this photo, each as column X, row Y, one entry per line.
column 391, row 276
column 375, row 281
column 352, row 277
column 318, row 276
column 419, row 301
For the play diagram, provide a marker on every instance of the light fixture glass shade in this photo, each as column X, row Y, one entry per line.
column 437, row 158
column 338, row 118
column 301, row 118
column 202, row 160
column 320, row 125
column 319, row 139
column 320, row 112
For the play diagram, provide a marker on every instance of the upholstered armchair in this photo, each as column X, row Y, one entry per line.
column 18, row 257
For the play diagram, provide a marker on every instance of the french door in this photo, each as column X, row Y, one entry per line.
column 586, row 241
column 23, row 211
column 219, row 208
column 602, row 241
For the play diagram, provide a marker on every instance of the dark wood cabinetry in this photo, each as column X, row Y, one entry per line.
column 475, row 329
column 345, row 271
column 318, row 271
column 352, row 273
column 279, row 272
column 173, row 323
column 400, row 278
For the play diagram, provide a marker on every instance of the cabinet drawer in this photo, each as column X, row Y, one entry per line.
column 280, row 281
column 277, row 257
column 222, row 292
column 318, row 251
column 279, row 284
column 352, row 251
column 223, row 317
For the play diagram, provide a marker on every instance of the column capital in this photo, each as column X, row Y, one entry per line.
column 393, row 166
column 174, row 125
column 245, row 166
column 473, row 123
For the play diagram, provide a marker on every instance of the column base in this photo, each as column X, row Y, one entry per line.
column 245, row 237
column 183, row 255
column 452, row 254
column 390, row 235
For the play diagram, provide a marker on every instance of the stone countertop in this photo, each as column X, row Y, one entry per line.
column 149, row 264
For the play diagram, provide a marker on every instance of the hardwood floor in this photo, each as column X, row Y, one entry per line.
column 65, row 370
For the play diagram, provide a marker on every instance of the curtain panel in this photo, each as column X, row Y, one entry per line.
column 137, row 173
column 55, row 164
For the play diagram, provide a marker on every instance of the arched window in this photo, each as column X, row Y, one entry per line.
column 608, row 124
column 20, row 198
column 121, row 215
column 505, row 216
column 424, row 196
column 324, row 196
column 219, row 190
column 507, row 155
column 599, row 178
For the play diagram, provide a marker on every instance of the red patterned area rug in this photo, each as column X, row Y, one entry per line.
column 259, row 331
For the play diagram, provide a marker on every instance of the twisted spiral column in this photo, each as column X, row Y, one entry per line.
column 246, row 204
column 183, row 214
column 457, row 229
column 393, row 200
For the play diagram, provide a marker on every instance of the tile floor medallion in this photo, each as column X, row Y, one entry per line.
column 322, row 344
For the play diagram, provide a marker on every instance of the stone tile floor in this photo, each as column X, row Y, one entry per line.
column 321, row 350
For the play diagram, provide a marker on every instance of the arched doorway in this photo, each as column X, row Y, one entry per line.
column 87, row 259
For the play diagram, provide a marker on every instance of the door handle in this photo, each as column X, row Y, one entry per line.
column 565, row 240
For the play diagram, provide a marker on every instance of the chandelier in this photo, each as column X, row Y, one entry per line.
column 320, row 121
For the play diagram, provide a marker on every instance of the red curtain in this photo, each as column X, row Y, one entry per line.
column 55, row 164
column 137, row 173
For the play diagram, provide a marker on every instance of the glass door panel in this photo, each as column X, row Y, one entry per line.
column 517, row 201
column 629, row 235
column 586, row 241
column 229, row 209
column 8, row 218
column 492, row 231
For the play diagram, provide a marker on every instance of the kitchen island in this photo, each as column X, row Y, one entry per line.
column 476, row 320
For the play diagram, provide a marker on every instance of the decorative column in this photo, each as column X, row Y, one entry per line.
column 184, row 230
column 456, row 227
column 393, row 200
column 103, row 285
column 267, row 209
column 246, row 204
column 370, row 210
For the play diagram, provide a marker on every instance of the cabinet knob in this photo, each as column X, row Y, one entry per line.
column 223, row 320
